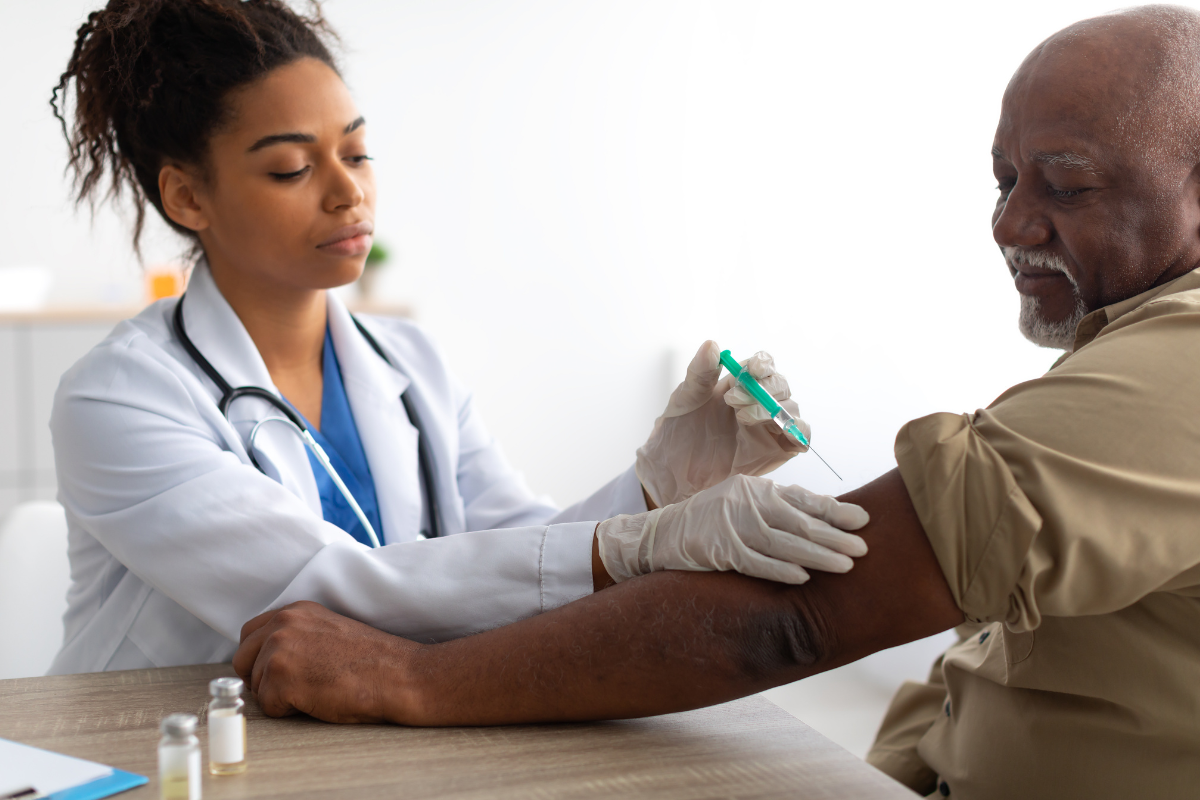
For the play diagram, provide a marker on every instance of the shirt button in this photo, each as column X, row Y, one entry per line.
column 944, row 789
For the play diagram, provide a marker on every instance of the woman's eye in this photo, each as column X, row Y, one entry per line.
column 287, row 176
column 359, row 159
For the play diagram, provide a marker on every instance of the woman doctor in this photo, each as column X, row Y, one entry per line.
column 192, row 501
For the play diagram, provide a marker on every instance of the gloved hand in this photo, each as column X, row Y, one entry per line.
column 743, row 523
column 712, row 428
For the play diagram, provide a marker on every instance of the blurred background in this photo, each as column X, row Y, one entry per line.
column 574, row 195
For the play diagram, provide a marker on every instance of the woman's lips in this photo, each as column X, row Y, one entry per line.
column 354, row 246
column 350, row 240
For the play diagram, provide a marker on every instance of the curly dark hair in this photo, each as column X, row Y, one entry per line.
column 151, row 79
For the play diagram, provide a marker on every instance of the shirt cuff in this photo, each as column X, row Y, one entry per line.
column 565, row 572
column 978, row 521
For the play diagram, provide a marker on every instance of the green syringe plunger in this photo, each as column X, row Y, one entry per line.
column 779, row 414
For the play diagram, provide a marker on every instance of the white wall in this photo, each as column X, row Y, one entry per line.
column 579, row 193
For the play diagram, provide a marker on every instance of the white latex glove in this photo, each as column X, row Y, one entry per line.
column 712, row 428
column 747, row 524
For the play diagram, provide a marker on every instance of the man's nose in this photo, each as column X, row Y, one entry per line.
column 1021, row 221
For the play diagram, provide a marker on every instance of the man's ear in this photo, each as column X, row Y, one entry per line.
column 177, row 188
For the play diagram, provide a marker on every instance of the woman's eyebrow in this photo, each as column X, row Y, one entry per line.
column 282, row 138
column 299, row 138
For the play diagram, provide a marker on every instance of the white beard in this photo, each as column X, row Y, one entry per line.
column 1033, row 325
column 1044, row 333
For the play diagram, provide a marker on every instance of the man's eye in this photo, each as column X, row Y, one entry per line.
column 287, row 176
column 1065, row 194
column 1005, row 187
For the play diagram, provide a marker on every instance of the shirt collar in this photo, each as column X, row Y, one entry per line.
column 1095, row 322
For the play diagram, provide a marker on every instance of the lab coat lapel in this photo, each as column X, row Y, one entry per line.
column 389, row 440
column 219, row 335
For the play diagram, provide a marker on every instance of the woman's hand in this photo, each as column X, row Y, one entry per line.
column 304, row 657
column 746, row 524
column 712, row 429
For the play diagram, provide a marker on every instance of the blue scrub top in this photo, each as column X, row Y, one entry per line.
column 340, row 440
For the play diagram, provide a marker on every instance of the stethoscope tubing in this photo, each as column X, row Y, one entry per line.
column 296, row 422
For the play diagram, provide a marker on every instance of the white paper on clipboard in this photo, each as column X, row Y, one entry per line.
column 22, row 766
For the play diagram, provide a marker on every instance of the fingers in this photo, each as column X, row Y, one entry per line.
column 780, row 514
column 256, row 623
column 256, row 633
column 749, row 412
column 761, row 365
column 705, row 367
column 804, row 427
column 258, row 669
column 273, row 683
column 702, row 375
column 757, row 565
column 846, row 516
column 785, row 544
column 247, row 652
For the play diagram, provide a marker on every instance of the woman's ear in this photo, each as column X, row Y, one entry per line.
column 177, row 188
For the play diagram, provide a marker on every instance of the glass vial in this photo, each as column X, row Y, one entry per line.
column 179, row 758
column 226, row 727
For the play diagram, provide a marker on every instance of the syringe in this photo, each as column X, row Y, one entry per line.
column 778, row 413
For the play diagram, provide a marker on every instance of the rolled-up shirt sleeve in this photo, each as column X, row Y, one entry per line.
column 1075, row 493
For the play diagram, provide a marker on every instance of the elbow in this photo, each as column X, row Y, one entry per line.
column 788, row 639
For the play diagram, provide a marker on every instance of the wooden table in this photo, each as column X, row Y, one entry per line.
column 745, row 749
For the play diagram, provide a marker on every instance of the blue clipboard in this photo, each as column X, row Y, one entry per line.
column 119, row 781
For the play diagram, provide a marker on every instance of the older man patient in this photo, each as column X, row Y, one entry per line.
column 1057, row 528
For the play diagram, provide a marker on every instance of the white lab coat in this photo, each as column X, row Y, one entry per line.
column 176, row 540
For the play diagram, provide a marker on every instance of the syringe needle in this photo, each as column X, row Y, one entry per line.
column 826, row 463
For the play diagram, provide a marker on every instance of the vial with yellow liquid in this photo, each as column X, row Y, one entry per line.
column 179, row 758
column 226, row 727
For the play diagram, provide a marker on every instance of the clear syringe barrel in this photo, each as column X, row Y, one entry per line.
column 789, row 426
column 785, row 421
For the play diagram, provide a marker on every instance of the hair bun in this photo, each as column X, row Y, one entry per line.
column 150, row 79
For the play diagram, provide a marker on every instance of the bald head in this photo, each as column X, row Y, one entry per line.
column 1134, row 75
column 1096, row 156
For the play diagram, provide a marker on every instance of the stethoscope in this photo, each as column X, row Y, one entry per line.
column 294, row 421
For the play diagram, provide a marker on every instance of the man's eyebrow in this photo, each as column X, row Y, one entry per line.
column 1065, row 159
column 282, row 138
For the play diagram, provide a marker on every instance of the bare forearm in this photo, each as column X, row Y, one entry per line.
column 666, row 642
column 672, row 640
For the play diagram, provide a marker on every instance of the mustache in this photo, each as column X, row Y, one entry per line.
column 1042, row 259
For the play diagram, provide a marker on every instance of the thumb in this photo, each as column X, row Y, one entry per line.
column 702, row 375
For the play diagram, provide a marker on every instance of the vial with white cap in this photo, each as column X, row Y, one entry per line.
column 226, row 727
column 179, row 758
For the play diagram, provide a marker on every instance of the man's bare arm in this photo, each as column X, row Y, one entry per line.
column 665, row 642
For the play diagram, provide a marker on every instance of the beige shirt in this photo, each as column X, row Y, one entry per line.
column 1066, row 519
